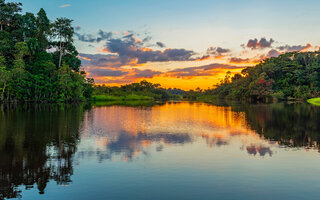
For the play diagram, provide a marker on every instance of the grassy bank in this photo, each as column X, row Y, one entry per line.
column 132, row 103
column 315, row 101
column 132, row 97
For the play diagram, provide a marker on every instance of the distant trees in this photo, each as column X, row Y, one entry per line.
column 38, row 61
column 144, row 88
column 291, row 76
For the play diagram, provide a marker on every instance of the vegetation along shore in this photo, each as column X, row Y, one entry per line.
column 289, row 77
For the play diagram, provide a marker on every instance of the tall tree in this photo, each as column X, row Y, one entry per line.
column 29, row 26
column 63, row 31
column 43, row 25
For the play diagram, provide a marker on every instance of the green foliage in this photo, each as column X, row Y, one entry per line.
column 314, row 101
column 63, row 31
column 137, row 103
column 291, row 76
column 27, row 71
column 135, row 91
column 8, row 13
column 43, row 28
column 131, row 97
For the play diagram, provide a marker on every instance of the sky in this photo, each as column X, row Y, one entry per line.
column 182, row 43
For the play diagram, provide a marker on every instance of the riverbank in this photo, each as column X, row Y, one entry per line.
column 131, row 97
column 314, row 101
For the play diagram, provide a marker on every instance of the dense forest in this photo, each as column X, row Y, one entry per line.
column 38, row 61
column 291, row 76
column 143, row 90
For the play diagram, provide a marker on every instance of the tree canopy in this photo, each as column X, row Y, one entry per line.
column 291, row 76
column 142, row 89
column 38, row 61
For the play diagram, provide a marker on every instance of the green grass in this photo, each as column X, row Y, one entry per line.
column 105, row 98
column 135, row 97
column 315, row 101
column 125, row 103
column 131, row 97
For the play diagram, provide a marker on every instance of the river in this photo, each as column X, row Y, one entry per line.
column 171, row 150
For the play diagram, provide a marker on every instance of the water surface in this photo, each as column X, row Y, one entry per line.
column 174, row 150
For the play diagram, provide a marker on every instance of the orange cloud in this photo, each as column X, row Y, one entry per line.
column 251, row 61
column 294, row 48
column 207, row 57
column 103, row 50
column 84, row 58
column 219, row 56
column 146, row 49
column 306, row 48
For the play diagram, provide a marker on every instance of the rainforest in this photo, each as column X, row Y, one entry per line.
column 38, row 61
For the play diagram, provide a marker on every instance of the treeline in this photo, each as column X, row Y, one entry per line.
column 38, row 61
column 143, row 90
column 291, row 76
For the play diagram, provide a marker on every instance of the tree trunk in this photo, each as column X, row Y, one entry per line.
column 60, row 52
column 4, row 88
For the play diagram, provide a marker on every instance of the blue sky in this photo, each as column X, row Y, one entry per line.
column 193, row 25
column 190, row 23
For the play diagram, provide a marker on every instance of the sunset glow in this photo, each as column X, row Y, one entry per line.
column 118, row 46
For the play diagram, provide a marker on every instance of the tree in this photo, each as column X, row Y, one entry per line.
column 63, row 30
column 33, row 47
column 227, row 77
column 290, row 76
column 28, row 72
column 29, row 26
column 7, row 12
column 43, row 28
column 4, row 76
column 21, row 50
column 6, row 45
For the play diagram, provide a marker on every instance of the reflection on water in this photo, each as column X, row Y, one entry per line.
column 37, row 145
column 129, row 130
column 40, row 145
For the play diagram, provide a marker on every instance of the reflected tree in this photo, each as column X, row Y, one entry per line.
column 37, row 145
column 291, row 125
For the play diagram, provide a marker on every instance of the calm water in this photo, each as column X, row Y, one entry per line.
column 169, row 151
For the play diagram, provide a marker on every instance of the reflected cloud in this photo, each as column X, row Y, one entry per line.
column 261, row 150
column 130, row 145
column 128, row 132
